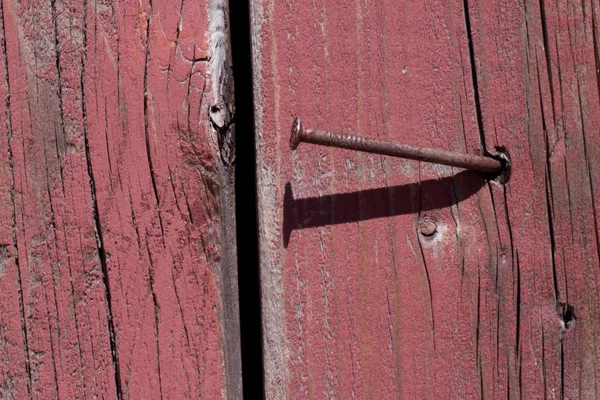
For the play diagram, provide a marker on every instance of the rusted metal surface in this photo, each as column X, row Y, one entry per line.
column 299, row 134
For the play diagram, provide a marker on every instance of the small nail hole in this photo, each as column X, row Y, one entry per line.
column 566, row 313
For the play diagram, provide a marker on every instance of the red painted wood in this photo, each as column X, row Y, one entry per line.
column 357, row 302
column 12, row 368
column 111, row 259
column 549, row 70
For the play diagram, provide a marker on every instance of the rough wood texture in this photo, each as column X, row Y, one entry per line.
column 502, row 301
column 117, row 259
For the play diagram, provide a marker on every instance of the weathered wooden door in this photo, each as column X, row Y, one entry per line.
column 117, row 234
column 502, row 300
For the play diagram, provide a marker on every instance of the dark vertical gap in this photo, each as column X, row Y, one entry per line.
column 548, row 56
column 112, row 332
column 474, row 75
column 246, row 211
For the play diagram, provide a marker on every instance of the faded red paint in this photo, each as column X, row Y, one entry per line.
column 110, row 215
column 359, row 303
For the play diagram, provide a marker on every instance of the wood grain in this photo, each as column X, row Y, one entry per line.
column 546, row 74
column 116, row 196
column 502, row 300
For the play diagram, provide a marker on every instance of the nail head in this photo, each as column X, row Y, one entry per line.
column 295, row 136
column 427, row 227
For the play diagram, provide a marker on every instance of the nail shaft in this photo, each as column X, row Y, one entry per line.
column 437, row 156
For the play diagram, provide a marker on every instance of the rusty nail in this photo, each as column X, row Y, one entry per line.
column 444, row 157
column 427, row 227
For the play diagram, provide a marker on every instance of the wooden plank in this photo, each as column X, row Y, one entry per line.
column 116, row 229
column 541, row 95
column 357, row 302
column 370, row 308
column 14, row 368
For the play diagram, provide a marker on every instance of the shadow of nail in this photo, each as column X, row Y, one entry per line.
column 382, row 202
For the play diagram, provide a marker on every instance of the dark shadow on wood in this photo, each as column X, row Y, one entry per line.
column 369, row 204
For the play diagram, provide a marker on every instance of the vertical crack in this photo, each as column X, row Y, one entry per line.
column 103, row 263
column 596, row 52
column 549, row 196
column 146, row 107
column 544, row 373
column 518, row 307
column 155, row 190
column 426, row 268
column 477, row 336
column 474, row 75
column 52, row 274
column 519, row 349
column 146, row 101
column 97, row 224
column 548, row 58
column 11, row 167
column 52, row 356
column 589, row 169
column 60, row 93
column 156, row 314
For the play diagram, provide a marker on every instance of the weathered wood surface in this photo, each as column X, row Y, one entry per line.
column 116, row 277
column 503, row 300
